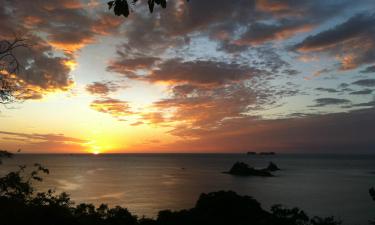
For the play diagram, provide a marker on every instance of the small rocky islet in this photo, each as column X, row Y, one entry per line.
column 243, row 169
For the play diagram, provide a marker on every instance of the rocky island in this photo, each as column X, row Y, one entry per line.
column 260, row 153
column 242, row 169
column 272, row 167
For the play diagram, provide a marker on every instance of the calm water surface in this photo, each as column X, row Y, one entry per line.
column 321, row 185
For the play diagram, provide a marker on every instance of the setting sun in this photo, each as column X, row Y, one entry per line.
column 96, row 152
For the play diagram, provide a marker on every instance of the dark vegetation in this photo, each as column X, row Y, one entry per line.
column 372, row 194
column 9, row 65
column 124, row 7
column 272, row 167
column 242, row 169
column 4, row 154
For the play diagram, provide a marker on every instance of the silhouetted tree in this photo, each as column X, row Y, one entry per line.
column 4, row 154
column 324, row 221
column 286, row 216
column 372, row 193
column 9, row 66
column 123, row 7
column 16, row 185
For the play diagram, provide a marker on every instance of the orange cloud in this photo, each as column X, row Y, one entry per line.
column 154, row 118
column 71, row 4
column 311, row 133
column 37, row 142
column 350, row 42
column 347, row 62
column 271, row 5
column 103, row 88
column 114, row 107
column 272, row 33
column 106, row 24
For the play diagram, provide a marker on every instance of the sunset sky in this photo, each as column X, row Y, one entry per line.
column 203, row 76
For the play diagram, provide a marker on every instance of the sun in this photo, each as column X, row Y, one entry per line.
column 97, row 147
column 96, row 150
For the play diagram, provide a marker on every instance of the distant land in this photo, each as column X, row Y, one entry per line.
column 261, row 153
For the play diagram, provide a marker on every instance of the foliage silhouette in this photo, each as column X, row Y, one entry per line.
column 124, row 7
column 372, row 194
column 9, row 65
column 5, row 154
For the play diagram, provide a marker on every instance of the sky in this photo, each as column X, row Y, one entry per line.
column 202, row 76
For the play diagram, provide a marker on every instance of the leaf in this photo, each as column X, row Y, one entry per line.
column 151, row 4
column 163, row 3
column 117, row 8
column 125, row 9
column 110, row 4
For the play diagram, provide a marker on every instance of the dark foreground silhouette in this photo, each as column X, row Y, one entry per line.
column 21, row 204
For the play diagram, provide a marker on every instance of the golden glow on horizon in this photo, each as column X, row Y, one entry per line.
column 96, row 153
column 95, row 148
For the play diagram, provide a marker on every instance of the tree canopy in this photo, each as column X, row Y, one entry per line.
column 123, row 7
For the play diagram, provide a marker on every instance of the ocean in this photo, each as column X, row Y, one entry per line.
column 322, row 185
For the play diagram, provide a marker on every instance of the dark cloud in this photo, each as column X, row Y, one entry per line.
column 352, row 28
column 365, row 82
column 202, row 84
column 176, row 71
column 337, row 132
column 370, row 69
column 320, row 102
column 352, row 42
column 259, row 33
column 64, row 26
column 39, row 71
column 272, row 21
column 291, row 72
column 366, row 104
column 208, row 108
column 67, row 28
column 329, row 90
column 200, row 72
column 344, row 85
column 183, row 90
column 247, row 21
column 129, row 66
column 362, row 92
